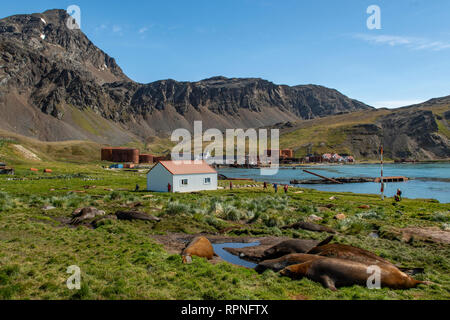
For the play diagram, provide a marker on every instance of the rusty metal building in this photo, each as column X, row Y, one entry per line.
column 146, row 158
column 120, row 155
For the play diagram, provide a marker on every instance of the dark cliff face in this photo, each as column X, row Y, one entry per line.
column 228, row 97
column 408, row 133
column 413, row 134
column 46, row 66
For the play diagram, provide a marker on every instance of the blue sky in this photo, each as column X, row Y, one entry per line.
column 285, row 41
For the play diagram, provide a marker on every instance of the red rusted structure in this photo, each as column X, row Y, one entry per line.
column 107, row 154
column 120, row 155
column 125, row 155
column 287, row 153
column 146, row 158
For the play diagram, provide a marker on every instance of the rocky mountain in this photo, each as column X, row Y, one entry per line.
column 55, row 84
column 418, row 132
column 409, row 133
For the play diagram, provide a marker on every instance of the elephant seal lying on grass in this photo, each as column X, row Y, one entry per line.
column 309, row 226
column 200, row 247
column 332, row 273
column 135, row 215
column 82, row 214
column 293, row 246
column 285, row 261
column 343, row 251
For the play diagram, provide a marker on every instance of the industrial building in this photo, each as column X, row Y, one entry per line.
column 128, row 155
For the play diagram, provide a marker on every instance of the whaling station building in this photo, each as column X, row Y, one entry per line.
column 181, row 176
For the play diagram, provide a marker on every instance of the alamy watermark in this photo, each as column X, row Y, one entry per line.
column 374, row 280
column 73, row 22
column 374, row 20
column 241, row 147
column 74, row 281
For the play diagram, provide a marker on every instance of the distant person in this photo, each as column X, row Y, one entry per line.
column 169, row 187
column 275, row 187
column 398, row 196
column 137, row 188
column 265, row 185
column 231, row 185
column 286, row 188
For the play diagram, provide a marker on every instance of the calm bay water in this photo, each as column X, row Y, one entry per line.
column 225, row 255
column 430, row 180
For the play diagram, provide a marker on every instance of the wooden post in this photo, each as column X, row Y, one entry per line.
column 326, row 178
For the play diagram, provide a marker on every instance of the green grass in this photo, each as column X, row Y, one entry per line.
column 120, row 260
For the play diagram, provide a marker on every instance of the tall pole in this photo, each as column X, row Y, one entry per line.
column 381, row 180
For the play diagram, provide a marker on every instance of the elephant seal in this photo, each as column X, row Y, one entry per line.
column 343, row 251
column 310, row 227
column 82, row 214
column 135, row 215
column 293, row 246
column 200, row 247
column 285, row 261
column 333, row 273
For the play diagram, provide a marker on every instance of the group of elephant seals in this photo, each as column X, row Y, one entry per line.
column 293, row 246
column 135, row 215
column 310, row 227
column 333, row 273
column 82, row 214
column 200, row 247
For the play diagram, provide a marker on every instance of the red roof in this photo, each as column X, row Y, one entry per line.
column 187, row 167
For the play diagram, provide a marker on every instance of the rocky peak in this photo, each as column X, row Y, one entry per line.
column 48, row 33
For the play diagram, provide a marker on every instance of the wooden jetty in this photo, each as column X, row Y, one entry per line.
column 323, row 177
column 391, row 179
column 342, row 180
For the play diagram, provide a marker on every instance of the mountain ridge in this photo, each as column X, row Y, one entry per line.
column 56, row 85
column 53, row 69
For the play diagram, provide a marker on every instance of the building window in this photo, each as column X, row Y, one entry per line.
column 207, row 181
column 184, row 182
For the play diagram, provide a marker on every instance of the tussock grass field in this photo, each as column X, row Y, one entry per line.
column 121, row 260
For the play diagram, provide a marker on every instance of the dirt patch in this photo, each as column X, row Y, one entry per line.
column 432, row 234
column 27, row 154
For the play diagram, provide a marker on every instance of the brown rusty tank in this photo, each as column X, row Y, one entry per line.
column 125, row 155
column 145, row 158
column 107, row 154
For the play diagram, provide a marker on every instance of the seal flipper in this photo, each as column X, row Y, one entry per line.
column 322, row 243
column 326, row 241
column 327, row 282
column 412, row 271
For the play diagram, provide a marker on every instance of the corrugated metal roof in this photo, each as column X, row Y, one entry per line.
column 187, row 167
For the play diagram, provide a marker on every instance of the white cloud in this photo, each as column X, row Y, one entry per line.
column 143, row 30
column 394, row 103
column 410, row 42
column 117, row 29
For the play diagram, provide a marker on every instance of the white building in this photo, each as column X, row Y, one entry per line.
column 182, row 176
